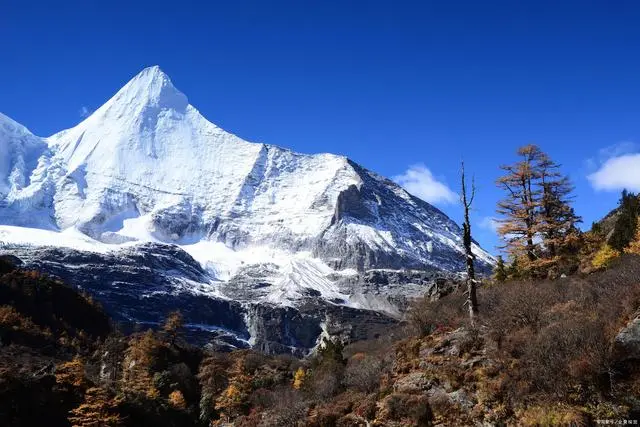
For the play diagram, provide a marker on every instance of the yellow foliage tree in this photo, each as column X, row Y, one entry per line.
column 138, row 360
column 604, row 256
column 298, row 378
column 176, row 399
column 98, row 409
column 233, row 400
column 173, row 325
column 71, row 373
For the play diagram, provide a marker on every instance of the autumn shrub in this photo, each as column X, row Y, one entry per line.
column 362, row 374
column 604, row 257
column 366, row 407
column 566, row 353
column 471, row 340
column 552, row 415
column 323, row 383
column 407, row 407
column 288, row 407
column 426, row 315
column 262, row 398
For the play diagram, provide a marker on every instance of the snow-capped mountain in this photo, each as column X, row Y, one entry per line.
column 265, row 223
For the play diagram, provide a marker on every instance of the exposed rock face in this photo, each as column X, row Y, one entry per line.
column 627, row 342
column 141, row 285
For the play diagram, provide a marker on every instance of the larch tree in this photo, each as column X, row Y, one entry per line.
column 518, row 225
column 557, row 219
column 233, row 401
column 538, row 223
column 138, row 361
column 98, row 409
column 213, row 379
column 173, row 325
column 467, row 202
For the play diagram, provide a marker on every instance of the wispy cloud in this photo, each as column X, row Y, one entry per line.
column 616, row 167
column 606, row 153
column 419, row 181
column 489, row 223
column 84, row 111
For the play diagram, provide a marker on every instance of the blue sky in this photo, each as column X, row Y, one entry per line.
column 390, row 84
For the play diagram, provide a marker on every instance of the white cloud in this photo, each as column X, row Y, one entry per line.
column 617, row 173
column 419, row 181
column 489, row 223
column 84, row 111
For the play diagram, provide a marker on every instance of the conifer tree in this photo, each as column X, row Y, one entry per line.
column 177, row 400
column 98, row 410
column 634, row 246
column 138, row 361
column 71, row 373
column 518, row 225
column 173, row 325
column 625, row 228
column 500, row 272
column 557, row 219
column 232, row 402
column 538, row 223
column 213, row 378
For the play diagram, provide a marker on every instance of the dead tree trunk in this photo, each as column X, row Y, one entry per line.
column 472, row 299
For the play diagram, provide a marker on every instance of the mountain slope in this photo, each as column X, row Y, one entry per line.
column 266, row 225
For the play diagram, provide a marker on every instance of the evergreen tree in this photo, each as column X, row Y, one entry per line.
column 500, row 272
column 634, row 246
column 513, row 272
column 213, row 379
column 627, row 222
column 331, row 351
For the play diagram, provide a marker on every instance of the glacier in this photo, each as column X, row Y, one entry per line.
column 265, row 224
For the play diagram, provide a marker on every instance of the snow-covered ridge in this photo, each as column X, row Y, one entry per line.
column 147, row 166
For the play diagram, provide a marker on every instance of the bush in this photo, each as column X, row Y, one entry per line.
column 288, row 406
column 552, row 416
column 401, row 407
column 362, row 373
column 426, row 316
column 604, row 257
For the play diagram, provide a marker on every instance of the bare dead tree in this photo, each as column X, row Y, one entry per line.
column 472, row 299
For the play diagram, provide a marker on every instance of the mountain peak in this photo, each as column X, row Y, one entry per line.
column 153, row 73
column 149, row 88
